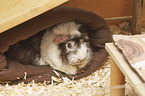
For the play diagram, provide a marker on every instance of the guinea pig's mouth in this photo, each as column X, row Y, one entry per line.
column 80, row 63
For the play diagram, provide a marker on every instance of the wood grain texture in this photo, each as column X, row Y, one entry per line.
column 14, row 12
column 133, row 48
column 116, row 78
column 136, row 23
column 125, row 68
column 107, row 8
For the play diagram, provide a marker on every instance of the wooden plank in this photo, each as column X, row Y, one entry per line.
column 125, row 68
column 133, row 48
column 116, row 79
column 106, row 8
column 137, row 17
column 119, row 18
column 14, row 12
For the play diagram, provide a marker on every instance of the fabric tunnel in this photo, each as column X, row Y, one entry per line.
column 13, row 72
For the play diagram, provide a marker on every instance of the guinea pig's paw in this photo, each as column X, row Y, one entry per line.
column 70, row 70
column 41, row 62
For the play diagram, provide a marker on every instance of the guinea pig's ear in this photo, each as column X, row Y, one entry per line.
column 60, row 39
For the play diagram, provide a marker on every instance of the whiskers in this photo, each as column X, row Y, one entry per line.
column 80, row 62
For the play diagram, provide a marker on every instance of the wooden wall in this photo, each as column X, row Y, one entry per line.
column 106, row 8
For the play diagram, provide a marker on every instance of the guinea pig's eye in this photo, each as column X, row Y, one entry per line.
column 69, row 45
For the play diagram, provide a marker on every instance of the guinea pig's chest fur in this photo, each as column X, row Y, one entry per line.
column 50, row 55
column 57, row 55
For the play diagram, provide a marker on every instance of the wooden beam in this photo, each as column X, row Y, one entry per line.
column 15, row 12
column 133, row 49
column 119, row 18
column 137, row 17
column 125, row 68
column 117, row 78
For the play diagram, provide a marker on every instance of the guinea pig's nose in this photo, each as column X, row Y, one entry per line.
column 80, row 60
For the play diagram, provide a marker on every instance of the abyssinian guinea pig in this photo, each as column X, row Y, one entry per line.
column 63, row 47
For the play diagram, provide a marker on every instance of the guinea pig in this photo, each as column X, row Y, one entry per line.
column 63, row 47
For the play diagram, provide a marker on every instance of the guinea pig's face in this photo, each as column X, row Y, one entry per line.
column 76, row 51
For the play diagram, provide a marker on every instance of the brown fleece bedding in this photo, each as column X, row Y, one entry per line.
column 14, row 72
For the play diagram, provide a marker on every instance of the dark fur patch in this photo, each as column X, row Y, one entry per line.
column 26, row 51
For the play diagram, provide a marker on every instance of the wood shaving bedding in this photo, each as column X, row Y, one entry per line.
column 97, row 84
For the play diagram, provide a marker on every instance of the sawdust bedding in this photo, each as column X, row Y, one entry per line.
column 97, row 84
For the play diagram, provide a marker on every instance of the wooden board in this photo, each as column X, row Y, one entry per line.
column 107, row 8
column 119, row 59
column 14, row 12
column 133, row 48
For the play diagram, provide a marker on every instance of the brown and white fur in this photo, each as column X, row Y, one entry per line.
column 64, row 48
